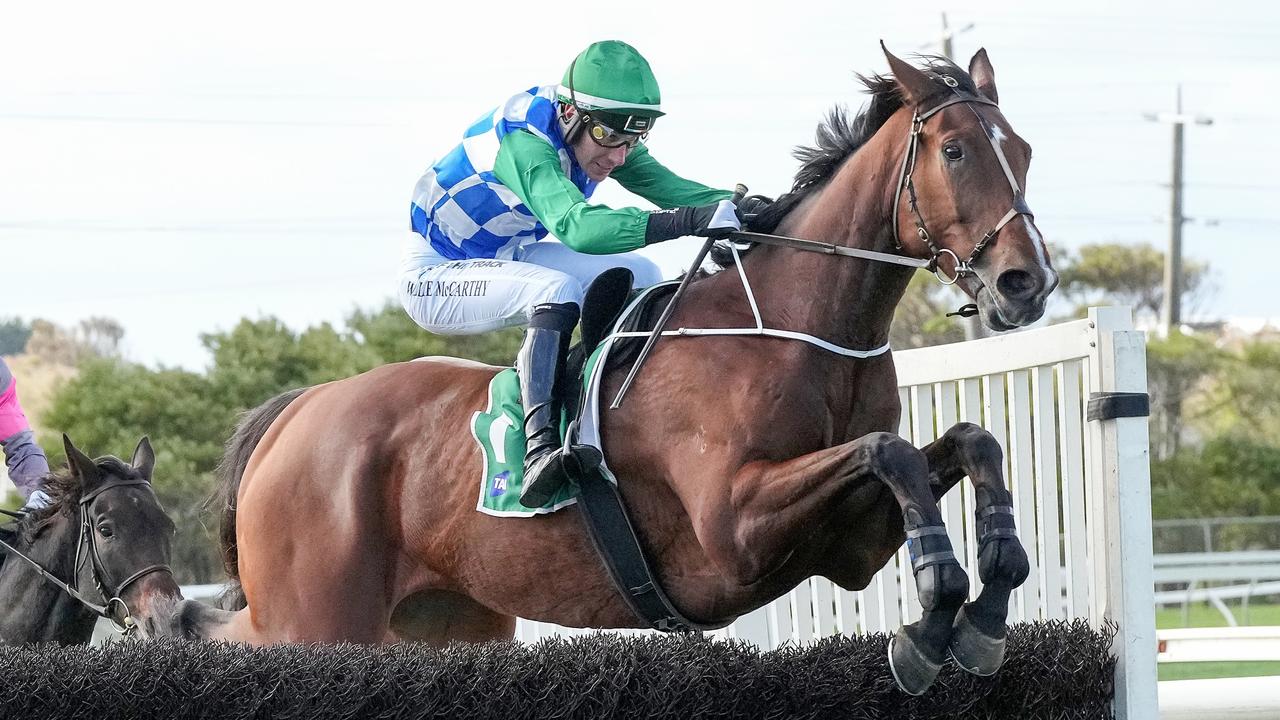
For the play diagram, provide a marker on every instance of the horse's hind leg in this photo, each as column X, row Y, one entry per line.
column 966, row 449
column 918, row 650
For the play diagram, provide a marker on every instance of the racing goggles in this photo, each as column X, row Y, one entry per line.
column 606, row 136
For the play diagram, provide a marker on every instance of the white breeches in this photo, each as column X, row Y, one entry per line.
column 465, row 297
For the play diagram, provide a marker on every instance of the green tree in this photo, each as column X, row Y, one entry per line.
column 1244, row 398
column 258, row 359
column 395, row 337
column 1119, row 274
column 14, row 334
column 921, row 317
column 1228, row 476
column 1178, row 369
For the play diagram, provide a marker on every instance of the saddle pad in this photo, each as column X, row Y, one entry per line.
column 499, row 431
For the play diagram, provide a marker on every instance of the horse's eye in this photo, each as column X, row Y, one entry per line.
column 105, row 531
column 953, row 152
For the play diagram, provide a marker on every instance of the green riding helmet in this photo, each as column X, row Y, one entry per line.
column 611, row 83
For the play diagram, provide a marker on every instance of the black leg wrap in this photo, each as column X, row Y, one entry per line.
column 945, row 584
column 1001, row 557
column 918, row 650
column 978, row 640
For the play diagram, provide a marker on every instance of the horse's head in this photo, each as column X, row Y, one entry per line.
column 125, row 539
column 960, row 192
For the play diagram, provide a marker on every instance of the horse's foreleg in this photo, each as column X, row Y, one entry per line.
column 966, row 449
column 777, row 504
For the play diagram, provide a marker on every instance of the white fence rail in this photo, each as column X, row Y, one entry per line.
column 1081, row 491
column 1229, row 644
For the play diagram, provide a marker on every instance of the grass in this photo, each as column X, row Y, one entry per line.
column 1207, row 670
column 1205, row 615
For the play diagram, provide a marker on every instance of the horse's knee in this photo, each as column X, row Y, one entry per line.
column 887, row 452
column 976, row 443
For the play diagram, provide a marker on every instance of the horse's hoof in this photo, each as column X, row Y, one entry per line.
column 974, row 650
column 912, row 669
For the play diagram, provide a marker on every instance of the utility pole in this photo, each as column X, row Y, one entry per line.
column 948, row 34
column 972, row 325
column 1171, row 306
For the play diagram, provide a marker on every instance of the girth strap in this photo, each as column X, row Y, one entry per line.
column 615, row 541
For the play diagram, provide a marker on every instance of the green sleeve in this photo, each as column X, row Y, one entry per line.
column 530, row 167
column 651, row 180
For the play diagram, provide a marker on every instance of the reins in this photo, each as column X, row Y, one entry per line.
column 905, row 184
column 123, row 622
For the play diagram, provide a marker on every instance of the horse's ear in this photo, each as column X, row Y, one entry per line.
column 82, row 467
column 144, row 458
column 983, row 76
column 912, row 81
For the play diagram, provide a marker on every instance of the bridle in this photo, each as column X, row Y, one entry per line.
column 115, row 609
column 907, row 184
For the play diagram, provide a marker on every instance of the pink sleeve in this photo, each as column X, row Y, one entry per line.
column 12, row 419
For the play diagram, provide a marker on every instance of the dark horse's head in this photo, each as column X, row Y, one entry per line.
column 970, row 169
column 106, row 536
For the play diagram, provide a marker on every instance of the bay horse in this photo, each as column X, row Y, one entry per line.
column 107, row 538
column 748, row 464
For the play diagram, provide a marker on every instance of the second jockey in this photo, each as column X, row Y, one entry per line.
column 479, row 259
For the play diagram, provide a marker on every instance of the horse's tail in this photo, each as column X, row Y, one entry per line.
column 253, row 425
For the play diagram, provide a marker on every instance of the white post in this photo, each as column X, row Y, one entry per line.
column 1120, row 513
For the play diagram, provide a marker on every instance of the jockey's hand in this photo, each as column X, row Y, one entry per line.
column 716, row 220
column 751, row 206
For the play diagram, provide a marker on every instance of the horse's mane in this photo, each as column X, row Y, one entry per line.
column 64, row 489
column 838, row 137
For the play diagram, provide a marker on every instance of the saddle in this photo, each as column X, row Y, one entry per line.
column 606, row 298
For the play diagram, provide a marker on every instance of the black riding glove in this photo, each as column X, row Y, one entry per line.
column 678, row 222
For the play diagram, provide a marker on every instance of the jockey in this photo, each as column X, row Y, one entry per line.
column 479, row 261
column 23, row 457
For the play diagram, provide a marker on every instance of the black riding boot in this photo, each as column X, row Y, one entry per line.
column 540, row 365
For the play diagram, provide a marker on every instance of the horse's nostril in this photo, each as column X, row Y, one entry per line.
column 1017, row 284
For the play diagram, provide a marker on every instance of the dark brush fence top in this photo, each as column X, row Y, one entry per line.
column 1059, row 670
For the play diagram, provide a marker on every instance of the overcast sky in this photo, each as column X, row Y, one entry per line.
column 179, row 166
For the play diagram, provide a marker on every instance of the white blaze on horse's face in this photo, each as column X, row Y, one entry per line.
column 1016, row 282
column 1037, row 240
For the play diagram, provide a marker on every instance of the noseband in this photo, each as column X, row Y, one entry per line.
column 905, row 183
column 115, row 608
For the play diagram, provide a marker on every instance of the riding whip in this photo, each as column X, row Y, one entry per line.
column 739, row 192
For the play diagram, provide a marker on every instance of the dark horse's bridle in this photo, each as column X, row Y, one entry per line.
column 115, row 608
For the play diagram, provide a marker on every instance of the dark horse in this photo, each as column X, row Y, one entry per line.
column 107, row 538
column 747, row 463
